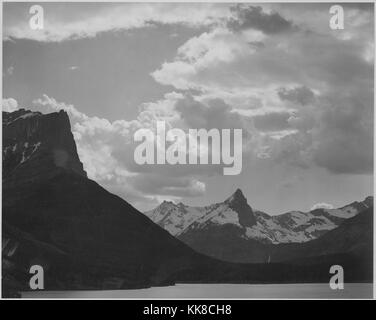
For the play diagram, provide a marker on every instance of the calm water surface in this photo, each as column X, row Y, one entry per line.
column 225, row 291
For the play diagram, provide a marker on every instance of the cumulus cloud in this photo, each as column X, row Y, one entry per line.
column 186, row 112
column 322, row 205
column 273, row 121
column 78, row 21
column 214, row 113
column 309, row 93
column 253, row 17
column 9, row 105
column 344, row 138
column 300, row 95
column 293, row 149
column 320, row 62
column 200, row 55
column 304, row 98
column 106, row 148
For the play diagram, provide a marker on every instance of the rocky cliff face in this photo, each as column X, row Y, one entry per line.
column 53, row 215
column 37, row 146
column 238, row 203
column 180, row 218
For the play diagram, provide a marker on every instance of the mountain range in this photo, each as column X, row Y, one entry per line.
column 87, row 238
column 231, row 230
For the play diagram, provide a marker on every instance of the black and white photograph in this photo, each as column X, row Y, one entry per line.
column 187, row 150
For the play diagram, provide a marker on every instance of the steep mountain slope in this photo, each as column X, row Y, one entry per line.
column 48, row 202
column 354, row 236
column 353, row 239
column 232, row 231
column 350, row 246
column 295, row 226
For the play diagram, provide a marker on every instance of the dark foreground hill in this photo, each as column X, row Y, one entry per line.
column 53, row 214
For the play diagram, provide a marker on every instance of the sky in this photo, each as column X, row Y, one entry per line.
column 301, row 92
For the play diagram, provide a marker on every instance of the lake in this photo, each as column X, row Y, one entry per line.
column 220, row 291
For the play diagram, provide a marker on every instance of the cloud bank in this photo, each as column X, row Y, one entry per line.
column 302, row 93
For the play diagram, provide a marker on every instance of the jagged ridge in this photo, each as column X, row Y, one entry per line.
column 294, row 226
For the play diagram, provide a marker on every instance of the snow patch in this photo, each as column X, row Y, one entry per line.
column 294, row 226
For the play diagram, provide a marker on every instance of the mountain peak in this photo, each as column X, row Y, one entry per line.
column 238, row 203
column 237, row 196
column 37, row 146
column 368, row 201
column 238, row 192
column 166, row 203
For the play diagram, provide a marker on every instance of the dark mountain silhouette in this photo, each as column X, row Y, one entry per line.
column 238, row 203
column 37, row 147
column 54, row 214
column 354, row 237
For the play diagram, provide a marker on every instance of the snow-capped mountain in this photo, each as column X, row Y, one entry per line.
column 181, row 220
